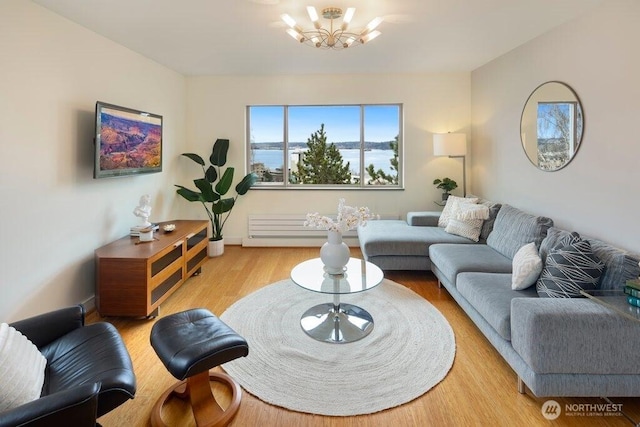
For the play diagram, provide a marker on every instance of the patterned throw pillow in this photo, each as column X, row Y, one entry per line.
column 567, row 240
column 448, row 211
column 467, row 220
column 568, row 270
column 527, row 266
column 557, row 238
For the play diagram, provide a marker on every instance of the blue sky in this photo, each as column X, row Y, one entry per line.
column 341, row 123
column 547, row 125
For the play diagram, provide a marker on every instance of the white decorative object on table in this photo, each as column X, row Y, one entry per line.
column 335, row 253
column 146, row 234
column 143, row 211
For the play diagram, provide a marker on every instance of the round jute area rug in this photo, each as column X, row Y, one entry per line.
column 410, row 350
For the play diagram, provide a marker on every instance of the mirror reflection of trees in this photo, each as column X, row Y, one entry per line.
column 551, row 126
column 559, row 132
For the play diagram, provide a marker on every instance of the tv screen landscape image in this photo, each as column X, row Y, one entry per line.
column 127, row 141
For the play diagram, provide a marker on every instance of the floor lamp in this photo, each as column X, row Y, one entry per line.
column 452, row 145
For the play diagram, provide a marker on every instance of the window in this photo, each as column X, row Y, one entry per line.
column 328, row 146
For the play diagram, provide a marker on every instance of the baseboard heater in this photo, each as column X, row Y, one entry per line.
column 285, row 226
column 289, row 230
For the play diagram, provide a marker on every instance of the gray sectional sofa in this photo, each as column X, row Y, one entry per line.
column 556, row 346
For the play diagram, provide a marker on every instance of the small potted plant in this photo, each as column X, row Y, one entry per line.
column 446, row 185
column 213, row 186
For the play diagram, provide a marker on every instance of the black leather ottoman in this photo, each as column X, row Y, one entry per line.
column 189, row 344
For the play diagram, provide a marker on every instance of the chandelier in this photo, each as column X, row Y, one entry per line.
column 337, row 36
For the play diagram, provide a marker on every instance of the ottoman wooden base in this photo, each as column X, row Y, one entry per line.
column 206, row 409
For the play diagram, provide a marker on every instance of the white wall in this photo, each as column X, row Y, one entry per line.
column 53, row 214
column 597, row 55
column 433, row 103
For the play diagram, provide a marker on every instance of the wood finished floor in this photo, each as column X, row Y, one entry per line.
column 480, row 389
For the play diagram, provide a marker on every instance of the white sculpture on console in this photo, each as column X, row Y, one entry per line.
column 143, row 211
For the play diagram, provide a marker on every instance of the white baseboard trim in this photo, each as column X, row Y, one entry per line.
column 293, row 242
column 89, row 304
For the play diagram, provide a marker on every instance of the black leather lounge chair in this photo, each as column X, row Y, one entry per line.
column 88, row 372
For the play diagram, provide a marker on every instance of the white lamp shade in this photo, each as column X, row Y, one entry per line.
column 449, row 144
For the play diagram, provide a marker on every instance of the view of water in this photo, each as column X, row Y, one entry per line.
column 272, row 159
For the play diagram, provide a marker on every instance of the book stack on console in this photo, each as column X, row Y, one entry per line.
column 632, row 290
column 135, row 230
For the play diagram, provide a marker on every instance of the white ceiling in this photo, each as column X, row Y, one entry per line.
column 208, row 37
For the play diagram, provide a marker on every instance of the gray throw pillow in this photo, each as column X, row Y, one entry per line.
column 568, row 270
column 487, row 225
column 620, row 265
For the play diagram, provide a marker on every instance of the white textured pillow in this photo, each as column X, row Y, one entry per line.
column 527, row 266
column 449, row 210
column 21, row 369
column 467, row 211
column 467, row 219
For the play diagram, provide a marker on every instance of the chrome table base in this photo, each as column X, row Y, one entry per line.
column 337, row 323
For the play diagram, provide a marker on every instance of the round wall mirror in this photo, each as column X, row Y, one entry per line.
column 551, row 126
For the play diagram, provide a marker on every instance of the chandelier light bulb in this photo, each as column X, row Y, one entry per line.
column 348, row 15
column 313, row 14
column 368, row 37
column 336, row 35
column 288, row 20
column 347, row 18
column 296, row 35
column 349, row 41
column 373, row 24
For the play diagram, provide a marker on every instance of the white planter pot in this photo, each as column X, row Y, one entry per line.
column 216, row 247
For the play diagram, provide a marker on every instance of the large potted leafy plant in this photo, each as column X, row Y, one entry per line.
column 213, row 186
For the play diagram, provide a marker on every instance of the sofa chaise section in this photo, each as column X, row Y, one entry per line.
column 404, row 245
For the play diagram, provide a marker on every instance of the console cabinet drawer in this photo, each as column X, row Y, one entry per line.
column 134, row 278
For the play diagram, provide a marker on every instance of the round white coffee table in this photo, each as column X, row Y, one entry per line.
column 337, row 322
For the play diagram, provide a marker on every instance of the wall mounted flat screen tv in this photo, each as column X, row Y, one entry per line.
column 127, row 141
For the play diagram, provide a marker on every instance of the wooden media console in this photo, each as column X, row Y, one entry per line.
column 133, row 278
